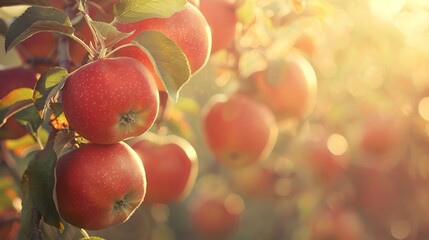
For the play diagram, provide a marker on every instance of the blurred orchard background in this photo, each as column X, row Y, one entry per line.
column 351, row 160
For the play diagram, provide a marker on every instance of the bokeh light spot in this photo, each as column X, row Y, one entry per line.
column 400, row 229
column 337, row 144
column 234, row 203
column 423, row 108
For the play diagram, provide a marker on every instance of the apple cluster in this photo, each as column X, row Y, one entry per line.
column 109, row 100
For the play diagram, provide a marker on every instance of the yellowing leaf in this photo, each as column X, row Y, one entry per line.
column 14, row 102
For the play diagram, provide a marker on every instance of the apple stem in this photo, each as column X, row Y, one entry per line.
column 87, row 48
column 85, row 234
column 115, row 20
column 88, row 20
column 118, row 48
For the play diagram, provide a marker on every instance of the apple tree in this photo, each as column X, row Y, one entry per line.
column 214, row 119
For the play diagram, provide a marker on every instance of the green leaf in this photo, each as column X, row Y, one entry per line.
column 41, row 182
column 29, row 115
column 37, row 19
column 179, row 127
column 4, row 3
column 27, row 206
column 109, row 33
column 188, row 105
column 49, row 84
column 14, row 102
column 61, row 139
column 168, row 59
column 127, row 11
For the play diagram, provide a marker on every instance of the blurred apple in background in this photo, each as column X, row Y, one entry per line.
column 325, row 154
column 306, row 44
column 382, row 141
column 222, row 28
column 11, row 79
column 215, row 218
column 288, row 86
column 39, row 51
column 238, row 130
column 338, row 224
column 171, row 166
column 215, row 211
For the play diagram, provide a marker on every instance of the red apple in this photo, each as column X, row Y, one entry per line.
column 78, row 53
column 98, row 186
column 306, row 44
column 382, row 140
column 187, row 28
column 327, row 167
column 385, row 196
column 221, row 17
column 375, row 194
column 39, row 50
column 11, row 79
column 109, row 100
column 338, row 224
column 318, row 159
column 239, row 130
column 139, row 55
column 381, row 135
column 171, row 166
column 216, row 218
column 288, row 87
